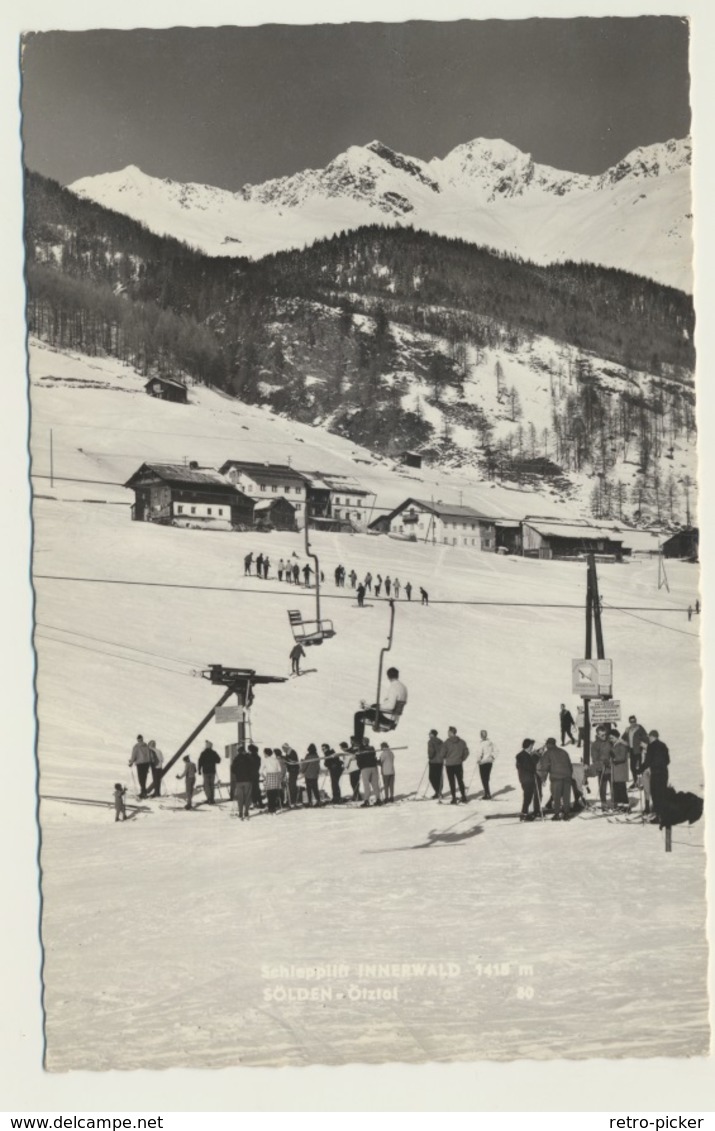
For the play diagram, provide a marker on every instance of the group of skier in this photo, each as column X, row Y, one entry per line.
column 374, row 585
column 613, row 754
column 280, row 779
column 290, row 781
column 287, row 569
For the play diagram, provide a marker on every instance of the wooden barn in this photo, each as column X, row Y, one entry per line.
column 167, row 390
column 556, row 538
column 508, row 535
column 178, row 495
column 683, row 544
column 274, row 514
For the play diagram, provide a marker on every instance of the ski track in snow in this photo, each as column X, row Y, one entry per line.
column 156, row 932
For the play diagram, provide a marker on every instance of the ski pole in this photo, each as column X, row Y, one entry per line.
column 474, row 770
column 134, row 780
column 537, row 794
column 419, row 785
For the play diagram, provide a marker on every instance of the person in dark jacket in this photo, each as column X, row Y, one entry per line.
column 526, row 763
column 296, row 574
column 567, row 724
column 256, row 798
column 296, row 654
column 601, row 752
column 619, row 764
column 635, row 736
column 424, row 595
column 367, row 763
column 310, row 767
column 259, row 566
column 361, row 595
column 242, row 781
column 208, row 761
column 247, row 564
column 656, row 762
column 334, row 765
column 119, row 806
column 266, row 567
column 555, row 764
column 307, row 570
column 292, row 761
column 408, row 591
column 435, row 764
column 455, row 753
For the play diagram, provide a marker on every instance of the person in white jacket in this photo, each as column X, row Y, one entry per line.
column 487, row 754
column 391, row 707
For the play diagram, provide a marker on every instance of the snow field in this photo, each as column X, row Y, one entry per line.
column 163, row 935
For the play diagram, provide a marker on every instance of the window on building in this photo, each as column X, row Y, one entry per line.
column 358, row 516
column 263, row 487
column 193, row 510
column 274, row 488
column 209, row 510
column 179, row 510
column 220, row 510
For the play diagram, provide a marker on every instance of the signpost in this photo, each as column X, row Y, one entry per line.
column 231, row 714
column 592, row 678
column 605, row 711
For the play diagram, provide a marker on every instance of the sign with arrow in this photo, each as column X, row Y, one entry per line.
column 592, row 678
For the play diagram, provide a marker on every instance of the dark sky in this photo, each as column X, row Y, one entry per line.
column 226, row 106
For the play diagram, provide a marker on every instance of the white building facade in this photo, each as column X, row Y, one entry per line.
column 443, row 523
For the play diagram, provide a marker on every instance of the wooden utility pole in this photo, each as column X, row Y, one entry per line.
column 593, row 622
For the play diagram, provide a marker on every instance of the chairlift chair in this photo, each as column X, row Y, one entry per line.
column 309, row 632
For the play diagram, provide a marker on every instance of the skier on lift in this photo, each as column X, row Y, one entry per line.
column 391, row 707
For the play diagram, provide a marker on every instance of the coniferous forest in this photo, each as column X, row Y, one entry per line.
column 319, row 334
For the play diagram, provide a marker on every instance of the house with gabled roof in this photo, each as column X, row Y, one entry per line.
column 449, row 524
column 167, row 389
column 187, row 495
column 261, row 481
column 337, row 501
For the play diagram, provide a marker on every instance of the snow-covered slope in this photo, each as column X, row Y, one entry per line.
column 635, row 216
column 167, row 939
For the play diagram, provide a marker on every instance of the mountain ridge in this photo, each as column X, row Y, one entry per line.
column 635, row 216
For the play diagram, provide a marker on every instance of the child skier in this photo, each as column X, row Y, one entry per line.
column 119, row 807
column 190, row 775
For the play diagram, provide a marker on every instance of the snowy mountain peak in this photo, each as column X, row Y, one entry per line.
column 485, row 191
column 648, row 161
